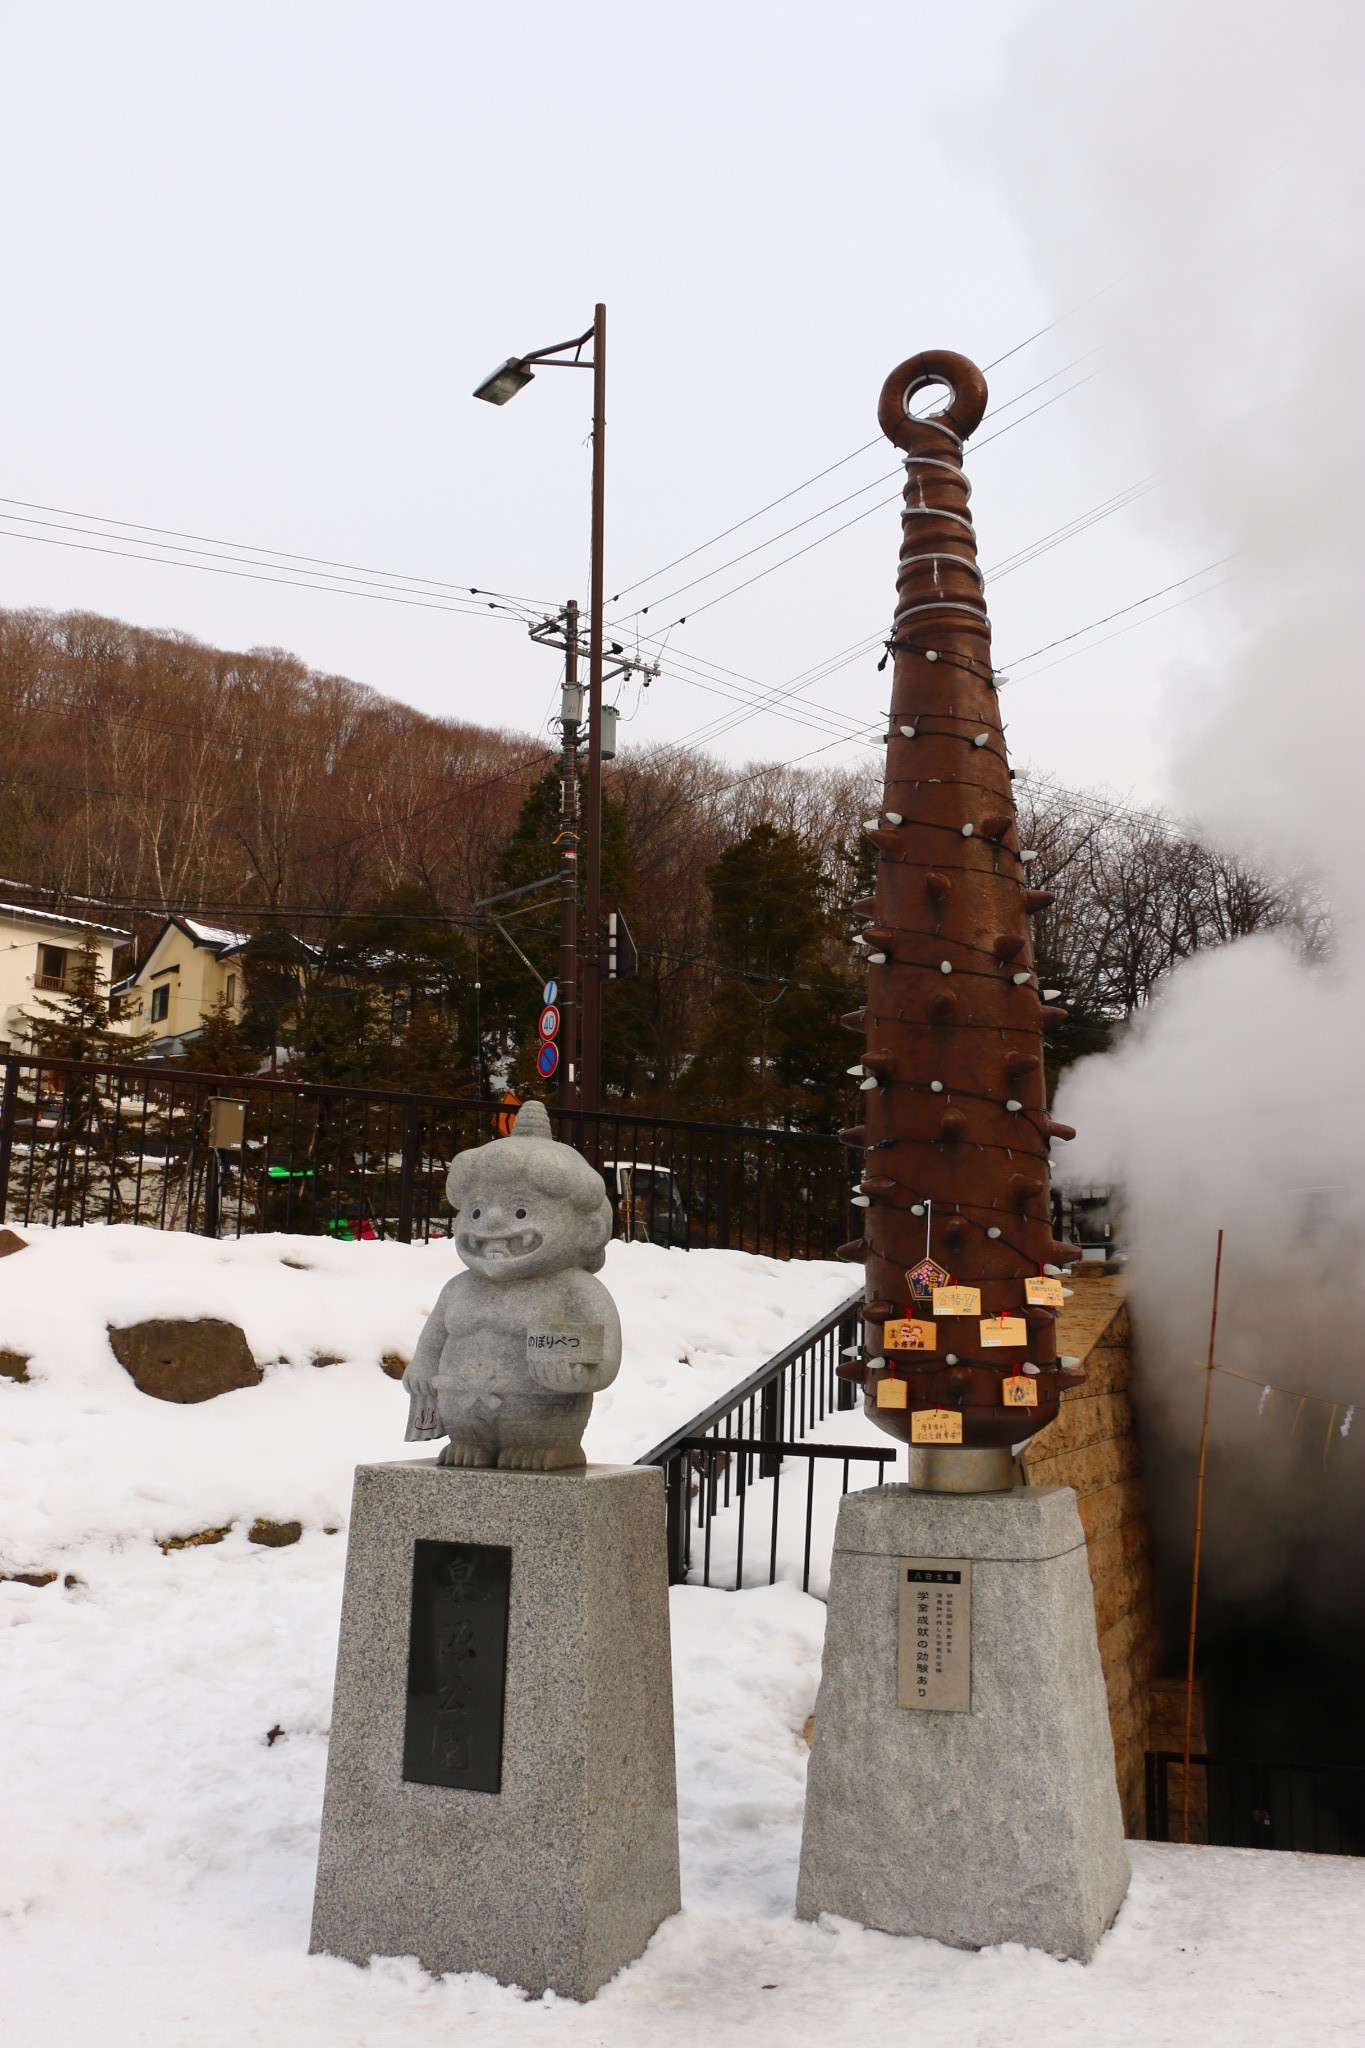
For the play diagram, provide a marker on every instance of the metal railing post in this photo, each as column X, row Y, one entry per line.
column 8, row 1102
column 676, row 1517
column 412, row 1133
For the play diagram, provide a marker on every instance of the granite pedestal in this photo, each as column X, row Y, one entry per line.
column 996, row 1822
column 558, row 1871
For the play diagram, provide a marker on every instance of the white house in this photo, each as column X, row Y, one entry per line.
column 190, row 968
column 38, row 949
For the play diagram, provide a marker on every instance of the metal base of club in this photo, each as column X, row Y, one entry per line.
column 946, row 1468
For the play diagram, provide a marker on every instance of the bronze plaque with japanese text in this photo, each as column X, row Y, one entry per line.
column 935, row 1641
column 457, row 1665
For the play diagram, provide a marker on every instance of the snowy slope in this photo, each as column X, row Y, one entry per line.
column 86, row 1458
column 157, row 1846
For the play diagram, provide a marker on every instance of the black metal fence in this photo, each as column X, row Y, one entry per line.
column 1250, row 1804
column 84, row 1142
column 714, row 1464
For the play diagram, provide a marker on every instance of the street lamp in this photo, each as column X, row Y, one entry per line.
column 504, row 383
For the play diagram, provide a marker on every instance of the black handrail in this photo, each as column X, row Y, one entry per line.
column 715, row 1458
column 1255, row 1803
column 769, row 1370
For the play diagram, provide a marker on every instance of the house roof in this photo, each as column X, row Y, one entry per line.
column 213, row 937
column 80, row 924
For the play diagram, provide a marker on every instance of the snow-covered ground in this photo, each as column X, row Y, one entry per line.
column 89, row 1459
column 157, row 1845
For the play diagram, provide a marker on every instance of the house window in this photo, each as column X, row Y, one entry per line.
column 161, row 1002
column 52, row 967
column 231, row 990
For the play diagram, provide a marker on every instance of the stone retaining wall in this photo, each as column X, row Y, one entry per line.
column 1093, row 1447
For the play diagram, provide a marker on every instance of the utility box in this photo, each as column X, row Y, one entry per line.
column 227, row 1123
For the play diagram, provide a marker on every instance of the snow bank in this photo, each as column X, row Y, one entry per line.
column 166, row 1715
column 87, row 1459
column 159, row 1851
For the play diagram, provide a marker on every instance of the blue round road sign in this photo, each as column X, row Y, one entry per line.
column 549, row 1022
column 551, row 992
column 547, row 1059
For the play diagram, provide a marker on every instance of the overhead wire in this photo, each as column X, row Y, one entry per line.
column 512, row 610
column 252, row 548
column 886, row 477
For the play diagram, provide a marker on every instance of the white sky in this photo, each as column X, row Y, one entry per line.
column 257, row 257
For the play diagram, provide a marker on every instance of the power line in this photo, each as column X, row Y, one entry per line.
column 886, row 477
column 1136, row 605
column 875, row 442
column 881, row 504
column 253, row 548
column 288, row 582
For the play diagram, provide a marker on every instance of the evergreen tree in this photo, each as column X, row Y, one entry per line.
column 222, row 1046
column 390, row 1004
column 81, row 1021
column 774, row 1051
column 91, row 1159
column 511, row 991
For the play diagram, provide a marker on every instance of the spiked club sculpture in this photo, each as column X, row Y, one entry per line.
column 954, row 1192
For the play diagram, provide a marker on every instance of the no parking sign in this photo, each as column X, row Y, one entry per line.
column 547, row 1059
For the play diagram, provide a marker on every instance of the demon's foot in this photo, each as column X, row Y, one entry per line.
column 455, row 1453
column 551, row 1459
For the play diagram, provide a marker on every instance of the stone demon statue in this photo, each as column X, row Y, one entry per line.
column 516, row 1347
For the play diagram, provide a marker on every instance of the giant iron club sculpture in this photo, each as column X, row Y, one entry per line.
column 955, row 1187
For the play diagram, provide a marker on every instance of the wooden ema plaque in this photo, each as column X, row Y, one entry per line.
column 936, row 1426
column 934, row 1647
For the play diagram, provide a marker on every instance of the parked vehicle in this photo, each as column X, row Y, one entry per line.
column 648, row 1203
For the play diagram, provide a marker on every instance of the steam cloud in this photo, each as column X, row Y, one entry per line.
column 1214, row 153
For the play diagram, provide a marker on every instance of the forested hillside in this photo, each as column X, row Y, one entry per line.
column 144, row 772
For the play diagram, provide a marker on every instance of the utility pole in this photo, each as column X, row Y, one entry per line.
column 580, row 1036
column 590, row 1085
column 572, row 710
column 497, row 388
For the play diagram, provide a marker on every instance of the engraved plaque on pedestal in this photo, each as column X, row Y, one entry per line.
column 934, row 1669
column 457, row 1665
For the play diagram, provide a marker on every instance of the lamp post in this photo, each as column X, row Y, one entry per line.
column 504, row 383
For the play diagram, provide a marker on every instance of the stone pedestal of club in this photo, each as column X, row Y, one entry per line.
column 962, row 1772
column 501, row 1792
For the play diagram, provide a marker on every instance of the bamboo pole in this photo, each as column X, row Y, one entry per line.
column 1198, row 1541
